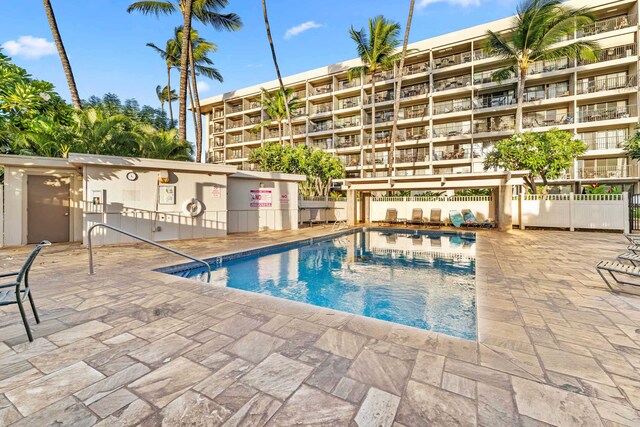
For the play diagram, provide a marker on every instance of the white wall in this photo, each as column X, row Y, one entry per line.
column 282, row 214
column 574, row 211
column 481, row 206
column 135, row 207
column 330, row 210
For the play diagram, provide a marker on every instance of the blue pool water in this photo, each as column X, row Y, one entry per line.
column 421, row 279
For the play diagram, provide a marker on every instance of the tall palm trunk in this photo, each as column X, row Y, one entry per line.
column 193, row 111
column 275, row 63
column 521, row 82
column 169, row 94
column 396, row 101
column 184, row 65
column 66, row 66
column 198, row 119
column 280, row 131
column 373, row 122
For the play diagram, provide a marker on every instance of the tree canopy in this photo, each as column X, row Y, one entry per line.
column 320, row 167
column 545, row 155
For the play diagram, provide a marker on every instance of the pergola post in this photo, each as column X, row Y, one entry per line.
column 352, row 208
column 505, row 220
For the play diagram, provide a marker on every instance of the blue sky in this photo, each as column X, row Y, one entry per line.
column 106, row 45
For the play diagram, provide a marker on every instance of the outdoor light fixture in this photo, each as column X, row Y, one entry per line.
column 163, row 177
column 443, row 181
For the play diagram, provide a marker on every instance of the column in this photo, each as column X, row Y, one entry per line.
column 504, row 208
column 352, row 205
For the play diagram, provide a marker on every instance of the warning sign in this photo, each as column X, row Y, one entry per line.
column 260, row 199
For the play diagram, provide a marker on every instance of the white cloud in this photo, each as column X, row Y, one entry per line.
column 301, row 28
column 203, row 86
column 464, row 3
column 29, row 47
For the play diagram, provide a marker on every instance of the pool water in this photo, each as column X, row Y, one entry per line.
column 417, row 278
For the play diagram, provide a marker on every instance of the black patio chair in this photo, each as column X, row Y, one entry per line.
column 21, row 289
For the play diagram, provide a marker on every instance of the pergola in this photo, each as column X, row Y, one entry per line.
column 500, row 183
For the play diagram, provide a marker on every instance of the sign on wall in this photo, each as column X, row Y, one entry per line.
column 216, row 191
column 260, row 198
column 167, row 194
column 284, row 199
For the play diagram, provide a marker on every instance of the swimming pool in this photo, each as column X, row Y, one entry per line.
column 424, row 279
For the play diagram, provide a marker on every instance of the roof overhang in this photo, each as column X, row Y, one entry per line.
column 34, row 162
column 269, row 176
column 116, row 162
column 436, row 182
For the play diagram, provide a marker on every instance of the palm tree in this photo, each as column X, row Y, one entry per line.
column 172, row 60
column 98, row 133
column 66, row 66
column 163, row 144
column 277, row 110
column 275, row 63
column 164, row 94
column 377, row 51
column 396, row 99
column 208, row 13
column 537, row 28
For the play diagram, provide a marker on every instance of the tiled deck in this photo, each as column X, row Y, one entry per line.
column 130, row 346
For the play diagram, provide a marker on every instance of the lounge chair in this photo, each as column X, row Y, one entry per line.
column 314, row 217
column 416, row 217
column 633, row 238
column 435, row 218
column 391, row 216
column 455, row 217
column 634, row 249
column 471, row 220
column 632, row 258
column 17, row 290
column 620, row 274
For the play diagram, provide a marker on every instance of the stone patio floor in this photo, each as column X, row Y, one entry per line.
column 130, row 346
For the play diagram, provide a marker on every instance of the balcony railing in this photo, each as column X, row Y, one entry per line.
column 605, row 142
column 613, row 113
column 236, row 154
column 625, row 171
column 302, row 93
column 319, row 90
column 382, row 97
column 609, row 83
column 381, row 76
column 451, row 60
column 218, row 142
column 480, row 54
column 494, row 100
column 483, row 77
column 254, row 104
column 411, row 156
column 543, row 119
column 494, row 124
column 414, row 112
column 420, row 67
column 325, row 144
column 235, row 139
column 413, row 134
column 452, row 153
column 381, row 117
column 379, row 160
column 383, row 137
column 348, row 84
column 218, row 128
column 322, row 108
column 415, row 90
column 350, row 161
column 452, row 106
column 299, row 129
column 235, row 108
column 549, row 66
column 274, row 133
column 452, row 83
column 321, row 126
column 451, row 129
column 218, row 114
column 252, row 136
column 606, row 25
column 613, row 53
column 253, row 121
column 347, row 122
column 297, row 112
column 349, row 102
column 346, row 142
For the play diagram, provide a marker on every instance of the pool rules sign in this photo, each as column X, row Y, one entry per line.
column 260, row 199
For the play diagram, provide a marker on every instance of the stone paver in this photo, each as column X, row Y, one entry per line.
column 130, row 346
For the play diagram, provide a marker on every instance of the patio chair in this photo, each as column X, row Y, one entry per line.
column 416, row 217
column 314, row 217
column 391, row 217
column 472, row 221
column 435, row 218
column 16, row 291
column 621, row 275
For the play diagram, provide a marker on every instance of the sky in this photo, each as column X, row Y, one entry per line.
column 108, row 53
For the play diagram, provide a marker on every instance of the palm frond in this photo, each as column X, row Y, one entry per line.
column 149, row 7
column 210, row 73
column 503, row 74
column 587, row 50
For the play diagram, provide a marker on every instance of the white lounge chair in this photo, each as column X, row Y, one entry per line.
column 619, row 274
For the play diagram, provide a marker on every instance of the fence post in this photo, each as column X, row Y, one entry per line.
column 571, row 210
column 625, row 209
column 520, row 216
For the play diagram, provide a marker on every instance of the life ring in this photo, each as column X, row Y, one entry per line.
column 192, row 207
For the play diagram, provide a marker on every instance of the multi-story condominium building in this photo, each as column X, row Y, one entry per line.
column 451, row 111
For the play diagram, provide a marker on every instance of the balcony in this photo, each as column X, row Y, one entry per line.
column 321, row 90
column 252, row 136
column 549, row 66
column 415, row 133
column 385, row 96
column 381, row 76
column 300, row 94
column 381, row 117
column 605, row 83
column 322, row 108
column 480, row 54
column 481, row 149
column 348, row 84
column 348, row 141
column 352, row 102
column 234, row 124
column 590, row 114
column 494, row 124
column 452, row 106
column 273, row 133
column 235, row 139
column 613, row 53
column 451, row 129
column 299, row 129
column 235, row 154
column 412, row 172
column 414, row 112
column 235, row 108
column 254, row 104
column 607, row 172
column 218, row 142
column 323, row 143
column 411, row 156
column 483, row 77
column 383, row 137
column 452, row 152
column 452, row 83
column 546, row 118
column 414, row 90
column 297, row 112
column 420, row 67
column 451, row 60
column 550, row 91
column 381, row 159
column 321, row 126
column 495, row 100
column 252, row 121
column 350, row 161
column 347, row 122
column 217, row 128
column 218, row 114
column 606, row 25
column 613, row 141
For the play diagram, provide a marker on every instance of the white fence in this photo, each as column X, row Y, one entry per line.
column 481, row 206
column 573, row 211
column 329, row 210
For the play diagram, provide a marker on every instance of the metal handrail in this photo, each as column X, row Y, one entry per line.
column 142, row 239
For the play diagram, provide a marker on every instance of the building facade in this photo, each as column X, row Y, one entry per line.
column 451, row 111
